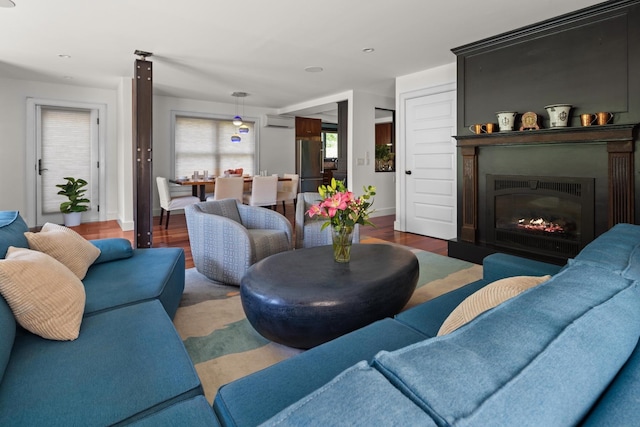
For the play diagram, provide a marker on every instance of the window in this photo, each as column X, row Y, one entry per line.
column 204, row 143
column 330, row 144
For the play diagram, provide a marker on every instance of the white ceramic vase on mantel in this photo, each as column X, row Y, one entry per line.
column 558, row 115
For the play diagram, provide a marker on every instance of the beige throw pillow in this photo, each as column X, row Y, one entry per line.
column 66, row 246
column 45, row 296
column 488, row 297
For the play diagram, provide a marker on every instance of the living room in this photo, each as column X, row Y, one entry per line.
column 568, row 341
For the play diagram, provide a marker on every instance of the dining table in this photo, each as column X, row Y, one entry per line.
column 198, row 186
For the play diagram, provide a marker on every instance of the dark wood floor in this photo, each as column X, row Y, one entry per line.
column 176, row 235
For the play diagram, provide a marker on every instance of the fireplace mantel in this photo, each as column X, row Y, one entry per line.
column 620, row 149
column 608, row 133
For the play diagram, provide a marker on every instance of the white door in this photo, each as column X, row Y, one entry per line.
column 430, row 165
column 66, row 145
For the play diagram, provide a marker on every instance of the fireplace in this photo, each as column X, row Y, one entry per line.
column 552, row 216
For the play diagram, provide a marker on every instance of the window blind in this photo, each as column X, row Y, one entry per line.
column 205, row 144
column 66, row 151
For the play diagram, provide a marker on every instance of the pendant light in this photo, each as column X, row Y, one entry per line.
column 237, row 120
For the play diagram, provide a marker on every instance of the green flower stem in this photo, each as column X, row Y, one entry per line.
column 342, row 239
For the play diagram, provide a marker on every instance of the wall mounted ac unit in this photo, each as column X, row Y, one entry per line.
column 273, row 121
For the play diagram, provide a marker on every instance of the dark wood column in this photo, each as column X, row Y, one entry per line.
column 469, row 193
column 621, row 182
column 143, row 153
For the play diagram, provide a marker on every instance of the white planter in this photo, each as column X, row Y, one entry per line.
column 72, row 219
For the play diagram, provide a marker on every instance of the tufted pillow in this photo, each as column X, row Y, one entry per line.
column 45, row 296
column 488, row 297
column 65, row 245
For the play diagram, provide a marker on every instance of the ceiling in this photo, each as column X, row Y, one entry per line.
column 207, row 49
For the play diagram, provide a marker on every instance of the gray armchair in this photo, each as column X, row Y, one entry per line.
column 308, row 232
column 227, row 237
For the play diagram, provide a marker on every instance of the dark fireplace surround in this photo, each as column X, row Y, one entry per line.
column 523, row 70
column 591, row 168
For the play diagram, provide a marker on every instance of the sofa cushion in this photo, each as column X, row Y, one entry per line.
column 7, row 335
column 498, row 266
column 65, row 245
column 112, row 249
column 250, row 400
column 542, row 358
column 620, row 404
column 125, row 365
column 427, row 318
column 612, row 250
column 12, row 228
column 156, row 273
column 348, row 399
column 486, row 298
column 194, row 412
column 44, row 295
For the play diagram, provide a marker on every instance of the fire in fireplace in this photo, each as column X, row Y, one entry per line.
column 543, row 215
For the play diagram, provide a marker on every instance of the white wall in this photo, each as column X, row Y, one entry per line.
column 405, row 85
column 362, row 134
column 15, row 194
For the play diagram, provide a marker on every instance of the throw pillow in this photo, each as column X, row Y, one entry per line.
column 45, row 296
column 488, row 297
column 66, row 246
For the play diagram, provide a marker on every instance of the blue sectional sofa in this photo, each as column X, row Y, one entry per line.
column 562, row 353
column 128, row 364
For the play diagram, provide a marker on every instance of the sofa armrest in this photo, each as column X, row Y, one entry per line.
column 112, row 249
column 498, row 266
column 261, row 218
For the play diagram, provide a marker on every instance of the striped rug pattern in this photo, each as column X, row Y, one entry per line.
column 224, row 346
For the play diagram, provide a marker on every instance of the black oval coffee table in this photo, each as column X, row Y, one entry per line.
column 304, row 298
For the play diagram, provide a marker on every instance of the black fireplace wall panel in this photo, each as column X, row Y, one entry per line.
column 589, row 58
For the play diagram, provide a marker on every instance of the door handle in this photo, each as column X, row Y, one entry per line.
column 407, row 172
column 40, row 167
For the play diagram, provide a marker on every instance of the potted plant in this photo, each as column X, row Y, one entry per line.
column 384, row 158
column 72, row 209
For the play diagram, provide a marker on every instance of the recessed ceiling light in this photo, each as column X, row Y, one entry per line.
column 313, row 69
column 7, row 3
column 64, row 55
column 368, row 50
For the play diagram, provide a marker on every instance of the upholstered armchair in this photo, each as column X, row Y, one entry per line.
column 308, row 232
column 227, row 237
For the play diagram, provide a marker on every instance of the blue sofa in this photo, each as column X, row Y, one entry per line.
column 562, row 353
column 128, row 365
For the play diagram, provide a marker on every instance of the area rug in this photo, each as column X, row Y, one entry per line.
column 224, row 346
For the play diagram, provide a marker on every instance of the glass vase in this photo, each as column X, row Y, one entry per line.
column 342, row 236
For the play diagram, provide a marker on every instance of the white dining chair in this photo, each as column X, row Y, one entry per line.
column 227, row 188
column 288, row 191
column 168, row 203
column 264, row 190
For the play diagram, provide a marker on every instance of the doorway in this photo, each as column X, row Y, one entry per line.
column 430, row 162
column 64, row 141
